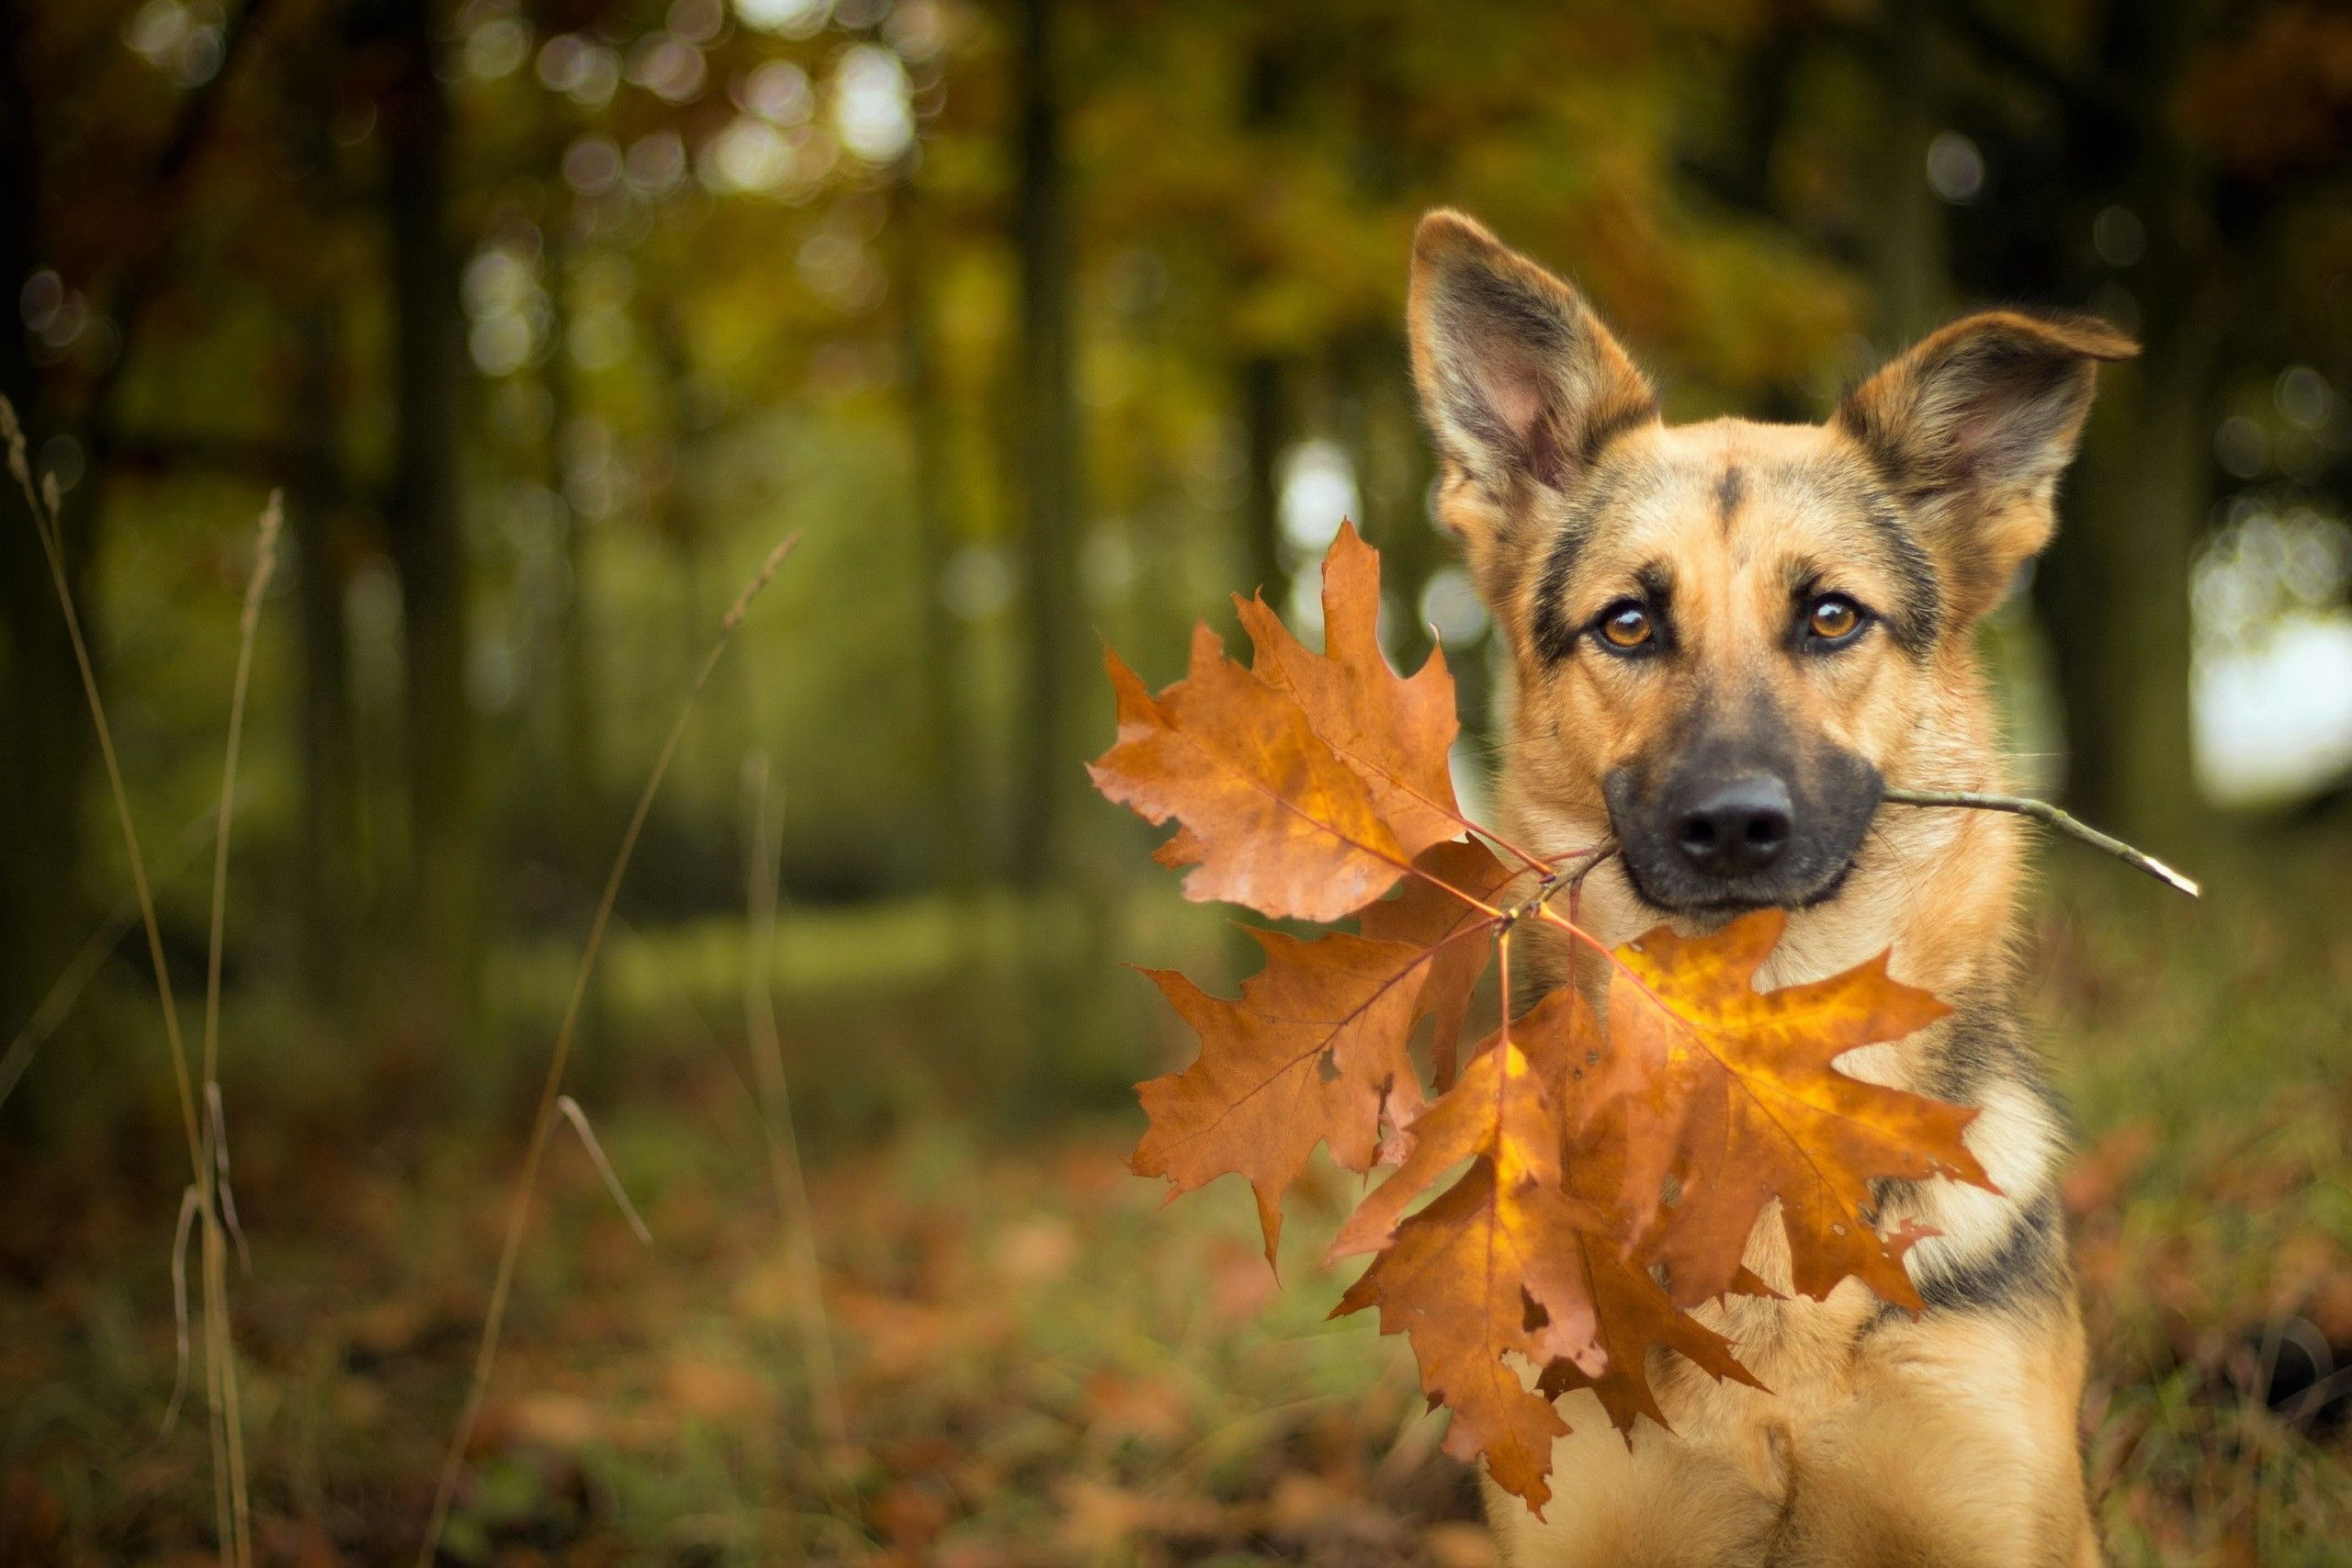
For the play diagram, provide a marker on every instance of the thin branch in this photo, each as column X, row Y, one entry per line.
column 519, row 1213
column 1502, row 982
column 2049, row 816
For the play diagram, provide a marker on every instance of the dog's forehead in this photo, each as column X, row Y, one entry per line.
column 1734, row 479
column 1729, row 500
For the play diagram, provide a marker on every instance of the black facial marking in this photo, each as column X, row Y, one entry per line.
column 1730, row 490
column 1732, row 810
column 1917, row 612
column 1587, row 507
column 1613, row 422
column 1915, row 617
column 1656, row 579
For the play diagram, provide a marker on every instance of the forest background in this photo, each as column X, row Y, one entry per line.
column 1042, row 323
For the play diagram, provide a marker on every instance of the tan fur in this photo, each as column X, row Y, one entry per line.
column 1947, row 1439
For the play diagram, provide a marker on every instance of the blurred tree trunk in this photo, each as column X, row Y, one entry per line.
column 332, row 891
column 47, row 756
column 946, row 750
column 335, row 899
column 1907, row 242
column 425, row 530
column 1391, row 457
column 47, row 762
column 1259, row 402
column 1261, row 389
column 684, row 518
column 576, row 744
column 2114, row 589
column 1054, row 616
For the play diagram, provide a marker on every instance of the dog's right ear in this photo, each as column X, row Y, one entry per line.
column 1521, row 383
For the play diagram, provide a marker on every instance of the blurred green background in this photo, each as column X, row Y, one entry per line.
column 1044, row 324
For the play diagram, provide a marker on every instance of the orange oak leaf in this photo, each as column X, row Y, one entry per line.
column 1281, row 824
column 1309, row 1054
column 1395, row 731
column 1729, row 1093
column 1178, row 850
column 1632, row 1314
column 1501, row 1113
column 1449, row 1282
column 1496, row 1265
column 1428, row 914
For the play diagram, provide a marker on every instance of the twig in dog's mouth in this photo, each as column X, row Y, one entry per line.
column 2043, row 812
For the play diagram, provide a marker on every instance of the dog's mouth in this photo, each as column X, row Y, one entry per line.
column 1671, row 894
column 1728, row 839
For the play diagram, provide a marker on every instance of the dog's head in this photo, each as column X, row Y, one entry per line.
column 1724, row 633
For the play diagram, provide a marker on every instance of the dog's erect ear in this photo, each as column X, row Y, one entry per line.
column 1973, row 427
column 1519, row 382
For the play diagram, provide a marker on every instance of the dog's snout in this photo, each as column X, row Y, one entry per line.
column 1733, row 827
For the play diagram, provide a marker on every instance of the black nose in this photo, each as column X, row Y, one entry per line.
column 1733, row 827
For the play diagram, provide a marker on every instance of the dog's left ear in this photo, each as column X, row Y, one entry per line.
column 1521, row 383
column 1973, row 427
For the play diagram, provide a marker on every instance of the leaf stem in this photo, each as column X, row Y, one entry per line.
column 1502, row 984
column 2049, row 816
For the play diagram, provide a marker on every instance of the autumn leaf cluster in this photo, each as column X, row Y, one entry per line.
column 1593, row 1182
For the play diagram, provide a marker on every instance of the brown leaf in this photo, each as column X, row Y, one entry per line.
column 1493, row 1267
column 1425, row 913
column 1449, row 1282
column 1178, row 850
column 1632, row 1316
column 1397, row 732
column 1729, row 1092
column 1281, row 824
column 1309, row 1054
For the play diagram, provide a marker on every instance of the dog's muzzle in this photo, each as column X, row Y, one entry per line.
column 1728, row 832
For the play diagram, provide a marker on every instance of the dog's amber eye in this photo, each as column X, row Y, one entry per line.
column 1833, row 619
column 1627, row 626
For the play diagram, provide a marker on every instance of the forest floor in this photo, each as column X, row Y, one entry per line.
column 1037, row 1363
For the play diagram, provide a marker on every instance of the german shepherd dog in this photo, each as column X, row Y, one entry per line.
column 1726, row 640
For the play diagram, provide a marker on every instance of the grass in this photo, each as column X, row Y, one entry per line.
column 2209, row 1056
column 1037, row 1362
column 205, row 1199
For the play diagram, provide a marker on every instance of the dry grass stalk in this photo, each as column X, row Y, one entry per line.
column 221, row 1364
column 57, row 1005
column 783, row 1146
column 231, row 1516
column 543, row 1123
column 579, row 1120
